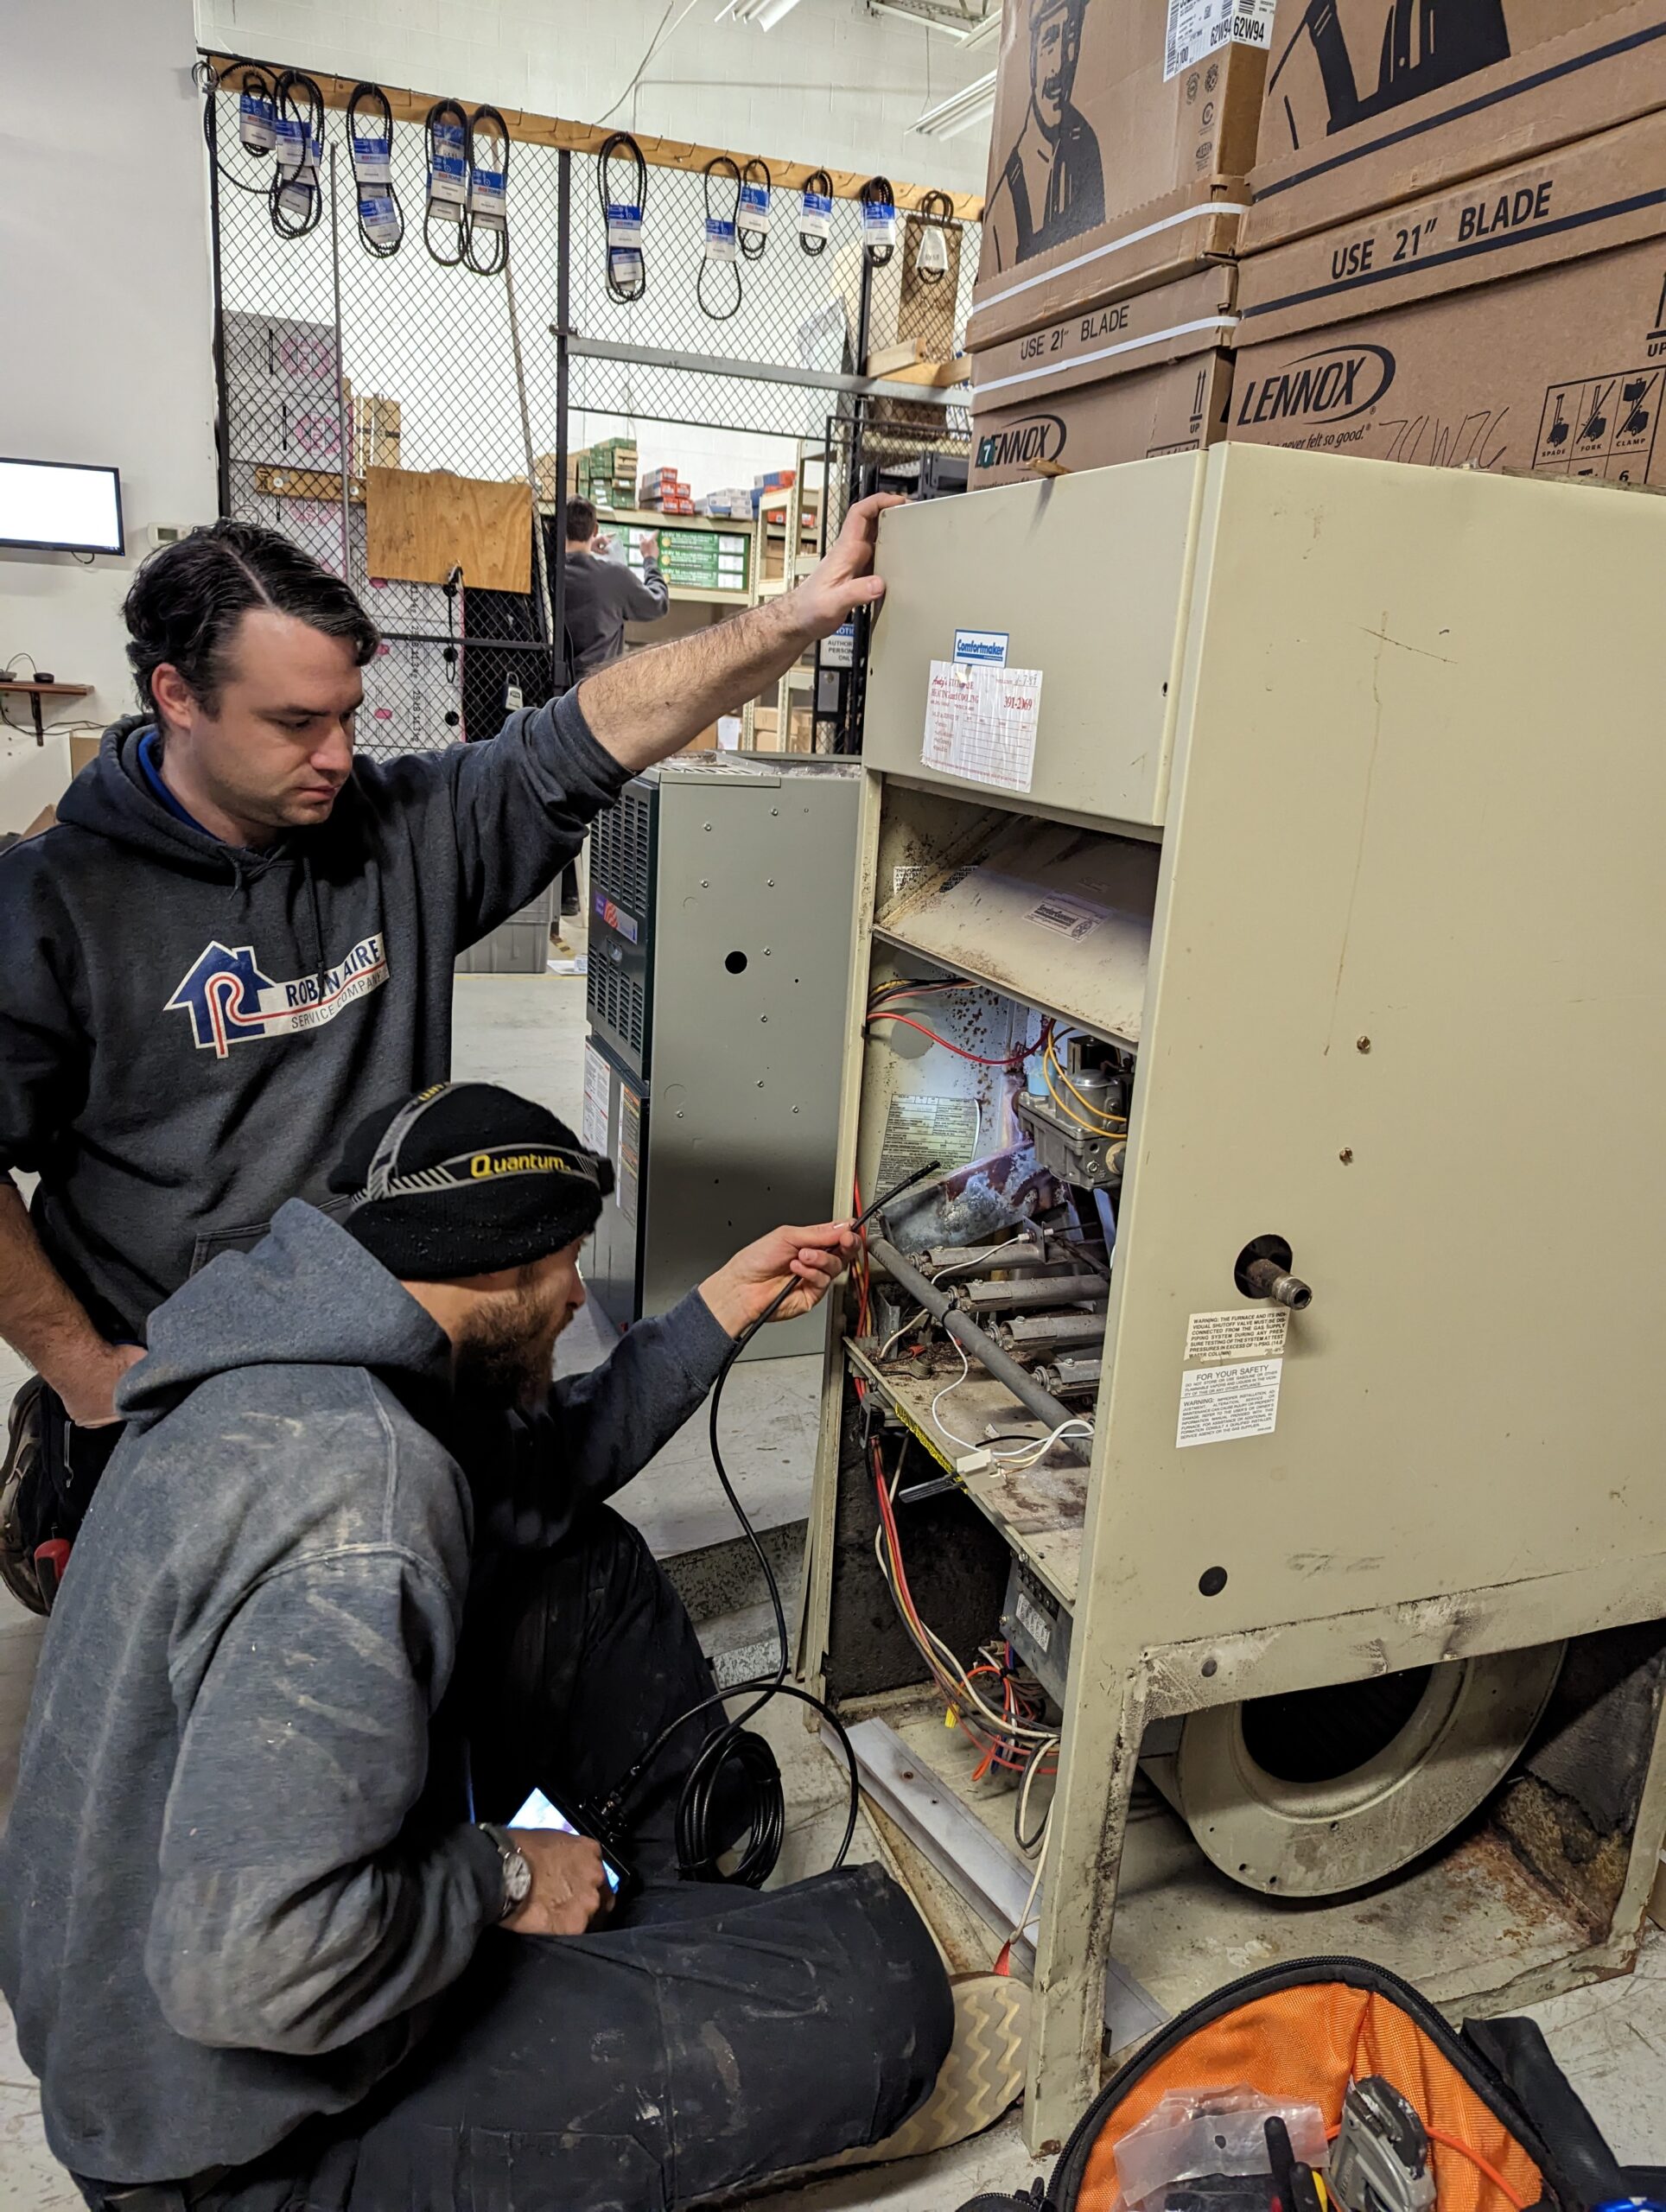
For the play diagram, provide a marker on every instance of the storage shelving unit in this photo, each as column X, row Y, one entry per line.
column 787, row 537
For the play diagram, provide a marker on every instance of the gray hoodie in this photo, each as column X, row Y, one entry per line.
column 233, row 1882
column 188, row 1029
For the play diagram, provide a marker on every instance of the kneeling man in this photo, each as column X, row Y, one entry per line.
column 349, row 1593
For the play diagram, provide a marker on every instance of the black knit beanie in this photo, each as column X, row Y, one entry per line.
column 466, row 1178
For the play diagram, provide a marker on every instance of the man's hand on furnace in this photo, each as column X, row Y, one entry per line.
column 810, row 1259
column 843, row 579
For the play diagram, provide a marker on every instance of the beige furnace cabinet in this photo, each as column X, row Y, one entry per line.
column 1318, row 806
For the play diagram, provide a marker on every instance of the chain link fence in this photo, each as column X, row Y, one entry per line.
column 434, row 368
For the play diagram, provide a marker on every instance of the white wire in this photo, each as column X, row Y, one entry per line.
column 937, row 1421
column 1035, row 1883
column 1027, row 1455
column 959, row 1690
column 982, row 1260
column 1052, row 1744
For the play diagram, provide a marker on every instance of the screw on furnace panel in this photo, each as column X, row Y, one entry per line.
column 1362, row 1044
column 1346, row 1155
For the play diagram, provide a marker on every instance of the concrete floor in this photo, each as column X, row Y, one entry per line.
column 528, row 1032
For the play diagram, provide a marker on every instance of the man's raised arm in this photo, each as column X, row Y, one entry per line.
column 649, row 705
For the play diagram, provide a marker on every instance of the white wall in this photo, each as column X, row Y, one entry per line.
column 831, row 84
column 103, row 244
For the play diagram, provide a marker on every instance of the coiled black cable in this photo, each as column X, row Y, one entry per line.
column 381, row 219
column 255, row 86
column 818, row 185
column 627, row 266
column 724, row 173
column 938, row 208
column 734, row 1773
column 488, row 184
column 446, row 129
column 878, row 192
column 751, row 240
column 731, row 1756
column 296, row 196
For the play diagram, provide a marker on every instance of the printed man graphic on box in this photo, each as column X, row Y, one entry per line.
column 1052, row 184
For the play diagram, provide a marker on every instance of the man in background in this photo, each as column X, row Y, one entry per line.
column 603, row 595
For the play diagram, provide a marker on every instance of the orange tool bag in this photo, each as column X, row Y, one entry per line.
column 1506, row 2132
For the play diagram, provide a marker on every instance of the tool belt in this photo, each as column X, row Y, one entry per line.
column 52, row 1468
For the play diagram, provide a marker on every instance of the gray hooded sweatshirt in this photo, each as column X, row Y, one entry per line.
column 235, row 1880
column 188, row 1030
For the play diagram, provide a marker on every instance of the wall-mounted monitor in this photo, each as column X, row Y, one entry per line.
column 56, row 506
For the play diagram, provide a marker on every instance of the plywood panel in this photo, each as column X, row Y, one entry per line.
column 423, row 523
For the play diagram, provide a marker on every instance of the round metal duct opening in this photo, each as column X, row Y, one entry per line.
column 1319, row 1791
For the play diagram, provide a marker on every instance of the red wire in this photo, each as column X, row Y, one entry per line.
column 1452, row 2143
column 981, row 1059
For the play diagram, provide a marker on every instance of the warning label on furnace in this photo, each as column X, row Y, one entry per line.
column 1252, row 1332
column 1220, row 1404
column 919, row 1130
column 981, row 723
column 630, row 1150
column 1198, row 27
column 592, row 1123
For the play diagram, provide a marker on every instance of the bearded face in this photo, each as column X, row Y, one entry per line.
column 1055, row 43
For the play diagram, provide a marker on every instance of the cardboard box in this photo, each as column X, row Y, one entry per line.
column 1123, row 132
column 1145, row 375
column 1517, row 322
column 375, row 432
column 1367, row 104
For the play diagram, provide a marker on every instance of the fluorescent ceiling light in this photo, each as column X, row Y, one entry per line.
column 962, row 111
column 766, row 14
column 961, row 29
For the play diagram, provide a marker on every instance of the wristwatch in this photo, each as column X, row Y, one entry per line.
column 517, row 1870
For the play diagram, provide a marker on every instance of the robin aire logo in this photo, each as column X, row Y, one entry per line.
column 230, row 1001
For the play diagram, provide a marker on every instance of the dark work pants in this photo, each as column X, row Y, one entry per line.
column 709, row 2037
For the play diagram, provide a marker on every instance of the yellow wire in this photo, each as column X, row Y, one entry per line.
column 1094, row 1129
column 1051, row 1058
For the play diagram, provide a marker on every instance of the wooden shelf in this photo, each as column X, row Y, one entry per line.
column 35, row 692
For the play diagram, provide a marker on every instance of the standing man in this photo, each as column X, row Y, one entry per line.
column 237, row 939
column 602, row 595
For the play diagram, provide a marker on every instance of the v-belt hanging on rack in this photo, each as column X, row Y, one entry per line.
column 752, row 217
column 816, row 214
column 721, row 242
column 447, row 183
column 485, row 246
column 621, row 217
column 932, row 255
column 369, row 147
column 296, row 196
column 879, row 219
column 256, row 122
